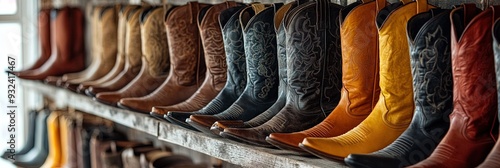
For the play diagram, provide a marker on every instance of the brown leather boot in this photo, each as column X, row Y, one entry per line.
column 45, row 41
column 133, row 54
column 215, row 78
column 187, row 64
column 359, row 76
column 68, row 46
column 155, row 61
column 103, row 62
column 124, row 10
column 473, row 120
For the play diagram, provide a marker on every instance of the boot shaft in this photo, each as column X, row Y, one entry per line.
column 260, row 50
column 133, row 48
column 122, row 29
column 213, row 44
column 474, row 91
column 154, row 42
column 108, row 28
column 313, row 56
column 67, row 32
column 279, row 26
column 44, row 31
column 232, row 34
column 184, row 44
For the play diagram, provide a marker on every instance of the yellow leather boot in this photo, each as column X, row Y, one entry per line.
column 54, row 158
column 394, row 110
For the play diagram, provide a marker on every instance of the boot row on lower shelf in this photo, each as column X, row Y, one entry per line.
column 376, row 84
column 62, row 139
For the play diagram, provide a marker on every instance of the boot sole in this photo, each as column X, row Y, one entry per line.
column 130, row 109
column 242, row 140
column 321, row 154
column 287, row 147
column 201, row 128
column 104, row 102
column 180, row 123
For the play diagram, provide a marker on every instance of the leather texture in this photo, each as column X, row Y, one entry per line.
column 128, row 59
column 280, row 13
column 35, row 157
column 54, row 159
column 155, row 61
column 261, row 90
column 104, row 62
column 430, row 56
column 232, row 34
column 45, row 40
column 493, row 159
column 67, row 46
column 314, row 72
column 133, row 52
column 187, row 67
column 474, row 117
column 359, row 37
column 394, row 110
column 215, row 62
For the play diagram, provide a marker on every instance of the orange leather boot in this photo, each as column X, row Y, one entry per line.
column 55, row 152
column 474, row 117
column 359, row 38
column 394, row 110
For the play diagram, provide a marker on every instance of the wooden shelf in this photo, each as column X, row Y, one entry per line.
column 224, row 149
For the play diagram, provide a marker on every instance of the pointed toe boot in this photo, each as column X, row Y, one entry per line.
column 360, row 78
column 430, row 56
column 261, row 89
column 236, row 70
column 393, row 112
column 67, row 54
column 473, row 120
column 37, row 155
column 187, row 67
column 155, row 61
column 314, row 78
column 493, row 159
column 45, row 41
column 219, row 126
column 133, row 52
column 215, row 60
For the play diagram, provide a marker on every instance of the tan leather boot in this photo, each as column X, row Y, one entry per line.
column 215, row 59
column 102, row 63
column 155, row 61
column 187, row 65
column 133, row 54
column 124, row 11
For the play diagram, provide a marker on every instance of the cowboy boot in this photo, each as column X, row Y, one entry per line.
column 219, row 126
column 37, row 155
column 155, row 61
column 359, row 37
column 30, row 139
column 133, row 54
column 187, row 64
column 473, row 120
column 107, row 57
column 429, row 42
column 45, row 41
column 236, row 69
column 68, row 46
column 123, row 14
column 394, row 110
column 215, row 59
column 53, row 126
column 314, row 78
column 493, row 158
column 262, row 70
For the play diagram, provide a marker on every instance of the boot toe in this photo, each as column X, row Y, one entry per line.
column 287, row 141
column 179, row 118
column 134, row 104
column 223, row 124
column 247, row 135
column 109, row 98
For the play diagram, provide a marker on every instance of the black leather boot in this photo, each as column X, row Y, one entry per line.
column 30, row 139
column 314, row 72
column 429, row 41
column 261, row 90
column 37, row 155
column 219, row 126
column 236, row 73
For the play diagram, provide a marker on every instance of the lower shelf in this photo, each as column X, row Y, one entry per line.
column 224, row 149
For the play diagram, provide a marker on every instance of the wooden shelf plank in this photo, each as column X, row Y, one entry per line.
column 224, row 149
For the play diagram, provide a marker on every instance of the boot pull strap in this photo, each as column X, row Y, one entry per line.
column 422, row 6
column 193, row 10
column 257, row 7
column 230, row 3
column 470, row 11
column 164, row 4
column 381, row 4
column 322, row 12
